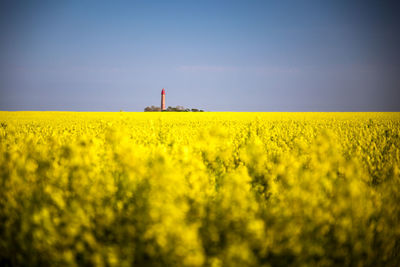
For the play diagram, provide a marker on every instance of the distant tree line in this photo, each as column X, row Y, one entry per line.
column 152, row 108
column 176, row 109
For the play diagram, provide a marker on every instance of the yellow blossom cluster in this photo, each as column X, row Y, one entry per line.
column 199, row 189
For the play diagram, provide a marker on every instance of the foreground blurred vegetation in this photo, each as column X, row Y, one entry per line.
column 199, row 189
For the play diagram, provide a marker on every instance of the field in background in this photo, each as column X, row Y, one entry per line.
column 192, row 189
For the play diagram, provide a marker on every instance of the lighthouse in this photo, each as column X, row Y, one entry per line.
column 163, row 99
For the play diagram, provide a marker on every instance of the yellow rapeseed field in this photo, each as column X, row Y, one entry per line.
column 199, row 189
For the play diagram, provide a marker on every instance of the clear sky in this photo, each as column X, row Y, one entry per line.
column 214, row 55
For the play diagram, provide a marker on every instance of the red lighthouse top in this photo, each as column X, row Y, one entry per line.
column 163, row 91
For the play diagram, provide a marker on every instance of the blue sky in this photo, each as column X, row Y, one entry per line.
column 214, row 55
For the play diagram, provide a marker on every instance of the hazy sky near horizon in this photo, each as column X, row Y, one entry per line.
column 215, row 55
